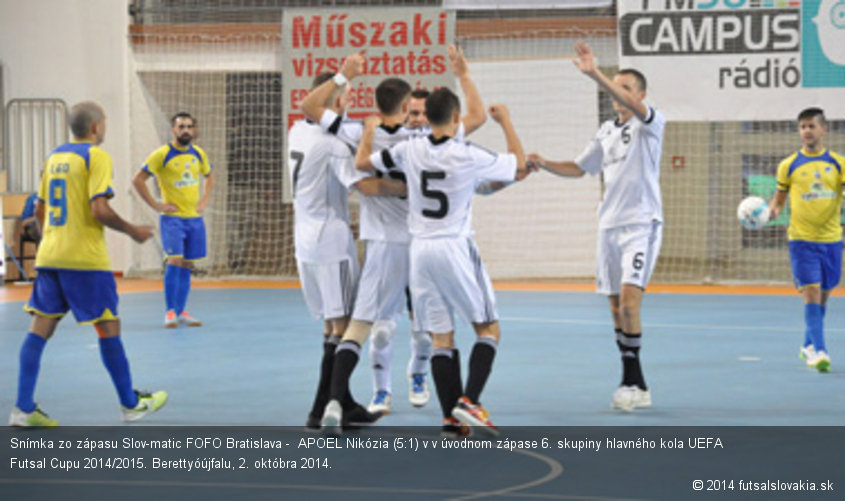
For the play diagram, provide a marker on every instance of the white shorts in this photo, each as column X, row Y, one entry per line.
column 447, row 276
column 627, row 255
column 384, row 279
column 329, row 289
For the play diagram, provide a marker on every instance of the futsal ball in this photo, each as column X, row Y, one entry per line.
column 753, row 213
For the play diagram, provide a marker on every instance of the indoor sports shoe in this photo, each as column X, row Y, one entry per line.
column 628, row 398
column 332, row 418
column 312, row 424
column 170, row 319
column 474, row 415
column 34, row 419
column 807, row 352
column 185, row 318
column 382, row 402
column 819, row 361
column 453, row 429
column 147, row 404
column 358, row 416
column 418, row 394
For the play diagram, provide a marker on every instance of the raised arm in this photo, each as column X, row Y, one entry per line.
column 475, row 115
column 315, row 103
column 502, row 116
column 365, row 148
column 586, row 62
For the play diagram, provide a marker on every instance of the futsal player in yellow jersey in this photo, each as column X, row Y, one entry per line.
column 74, row 272
column 813, row 178
column 177, row 167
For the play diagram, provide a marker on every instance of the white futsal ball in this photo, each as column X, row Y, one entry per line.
column 753, row 213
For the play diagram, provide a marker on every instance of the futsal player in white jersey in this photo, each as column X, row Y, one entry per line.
column 383, row 286
column 447, row 275
column 626, row 151
column 322, row 173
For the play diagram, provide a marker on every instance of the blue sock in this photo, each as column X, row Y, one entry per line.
column 30, row 361
column 171, row 286
column 114, row 358
column 814, row 320
column 807, row 339
column 184, row 289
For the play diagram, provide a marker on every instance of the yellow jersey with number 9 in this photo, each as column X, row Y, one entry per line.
column 177, row 171
column 814, row 183
column 75, row 174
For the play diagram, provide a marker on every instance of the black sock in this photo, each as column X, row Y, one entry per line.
column 345, row 360
column 629, row 347
column 324, row 385
column 447, row 381
column 480, row 364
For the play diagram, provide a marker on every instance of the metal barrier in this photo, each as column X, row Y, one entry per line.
column 33, row 128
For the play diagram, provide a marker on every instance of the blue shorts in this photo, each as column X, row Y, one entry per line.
column 815, row 263
column 183, row 237
column 90, row 295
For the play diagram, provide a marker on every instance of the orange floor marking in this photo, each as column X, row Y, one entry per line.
column 20, row 292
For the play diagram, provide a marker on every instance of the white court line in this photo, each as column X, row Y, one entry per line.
column 555, row 470
column 753, row 328
column 244, row 485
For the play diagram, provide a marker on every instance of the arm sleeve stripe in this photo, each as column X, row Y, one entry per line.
column 335, row 126
column 387, row 159
column 650, row 117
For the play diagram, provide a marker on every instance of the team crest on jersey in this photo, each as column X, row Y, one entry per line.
column 187, row 180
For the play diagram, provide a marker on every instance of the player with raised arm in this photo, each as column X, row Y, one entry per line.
column 322, row 172
column 74, row 271
column 384, row 228
column 626, row 151
column 177, row 167
column 447, row 274
column 813, row 178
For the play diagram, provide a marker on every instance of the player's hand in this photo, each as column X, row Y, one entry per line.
column 584, row 59
column 499, row 112
column 522, row 173
column 353, row 66
column 167, row 208
column 141, row 233
column 457, row 62
column 372, row 121
column 535, row 161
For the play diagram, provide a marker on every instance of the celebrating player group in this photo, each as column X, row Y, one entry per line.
column 416, row 175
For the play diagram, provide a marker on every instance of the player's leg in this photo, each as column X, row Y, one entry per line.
column 422, row 349
column 173, row 241
column 321, row 397
column 446, row 373
column 638, row 246
column 381, row 357
column 807, row 271
column 830, row 264
column 134, row 404
column 467, row 288
column 47, row 304
column 26, row 412
column 195, row 250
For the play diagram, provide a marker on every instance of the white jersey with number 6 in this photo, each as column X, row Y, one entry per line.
column 628, row 154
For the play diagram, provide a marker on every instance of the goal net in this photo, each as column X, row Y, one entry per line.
column 222, row 62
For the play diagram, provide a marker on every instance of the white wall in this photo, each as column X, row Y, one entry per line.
column 74, row 50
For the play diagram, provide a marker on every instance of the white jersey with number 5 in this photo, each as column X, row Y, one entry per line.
column 321, row 174
column 629, row 156
column 442, row 177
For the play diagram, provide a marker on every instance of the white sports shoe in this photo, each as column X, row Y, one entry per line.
column 332, row 417
column 628, row 398
column 418, row 393
column 807, row 352
column 819, row 361
column 382, row 402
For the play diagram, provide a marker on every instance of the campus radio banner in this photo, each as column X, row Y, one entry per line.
column 409, row 43
column 737, row 59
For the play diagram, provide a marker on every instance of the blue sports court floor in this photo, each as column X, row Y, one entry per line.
column 709, row 360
